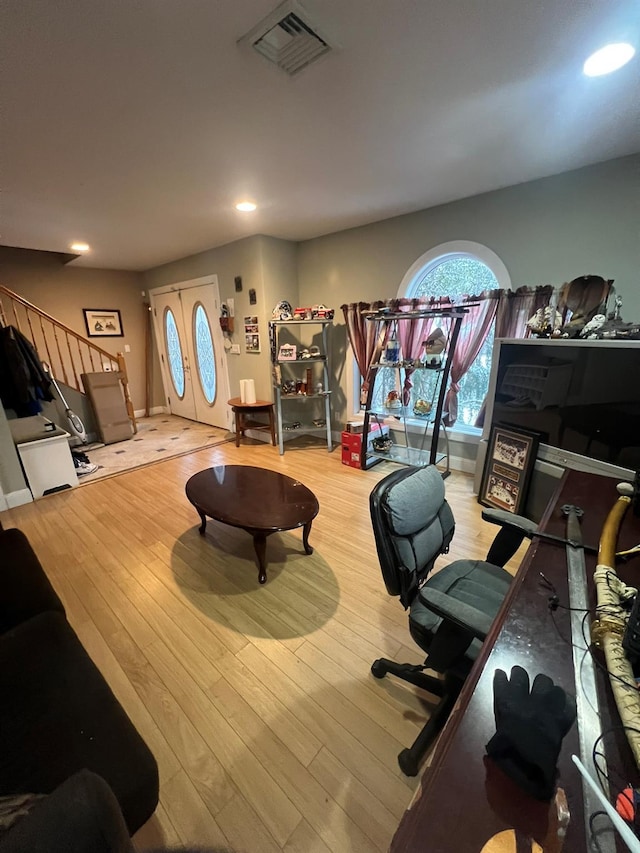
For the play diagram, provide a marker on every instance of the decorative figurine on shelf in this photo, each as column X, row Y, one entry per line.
column 392, row 351
column 422, row 408
column 545, row 323
column 614, row 326
column 382, row 443
column 282, row 311
column 288, row 386
column 433, row 348
column 592, row 328
column 584, row 297
column 617, row 305
column 393, row 400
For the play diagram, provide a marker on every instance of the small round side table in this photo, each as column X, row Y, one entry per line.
column 243, row 413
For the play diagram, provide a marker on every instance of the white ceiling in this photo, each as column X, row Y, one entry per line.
column 136, row 126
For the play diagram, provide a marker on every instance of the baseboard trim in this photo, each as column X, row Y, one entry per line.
column 155, row 410
column 22, row 496
column 458, row 463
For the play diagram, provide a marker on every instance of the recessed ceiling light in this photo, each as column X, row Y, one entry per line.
column 608, row 59
column 246, row 206
column 79, row 247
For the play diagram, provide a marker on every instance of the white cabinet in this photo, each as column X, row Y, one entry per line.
column 301, row 383
column 48, row 464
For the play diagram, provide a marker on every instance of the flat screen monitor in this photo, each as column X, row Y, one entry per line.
column 581, row 397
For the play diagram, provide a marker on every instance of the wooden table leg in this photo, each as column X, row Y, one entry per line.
column 260, row 545
column 305, row 538
column 238, row 415
column 203, row 518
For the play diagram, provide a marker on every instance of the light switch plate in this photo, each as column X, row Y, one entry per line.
column 235, row 349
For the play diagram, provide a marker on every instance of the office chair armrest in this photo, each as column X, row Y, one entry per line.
column 508, row 519
column 464, row 616
column 513, row 529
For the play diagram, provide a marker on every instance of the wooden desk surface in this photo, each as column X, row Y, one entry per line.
column 457, row 809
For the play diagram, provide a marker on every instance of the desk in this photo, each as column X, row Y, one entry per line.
column 454, row 811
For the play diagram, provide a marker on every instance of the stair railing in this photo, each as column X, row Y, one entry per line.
column 67, row 353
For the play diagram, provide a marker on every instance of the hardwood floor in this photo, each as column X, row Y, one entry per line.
column 268, row 728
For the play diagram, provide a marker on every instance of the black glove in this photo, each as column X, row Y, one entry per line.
column 530, row 727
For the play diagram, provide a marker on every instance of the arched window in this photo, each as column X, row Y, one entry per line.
column 457, row 269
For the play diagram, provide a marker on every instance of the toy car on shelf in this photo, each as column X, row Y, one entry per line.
column 321, row 312
column 302, row 314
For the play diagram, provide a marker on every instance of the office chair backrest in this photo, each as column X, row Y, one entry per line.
column 412, row 525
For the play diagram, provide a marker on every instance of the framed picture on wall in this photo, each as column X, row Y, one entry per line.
column 508, row 467
column 103, row 322
column 251, row 334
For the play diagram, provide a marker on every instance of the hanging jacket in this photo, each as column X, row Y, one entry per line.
column 23, row 381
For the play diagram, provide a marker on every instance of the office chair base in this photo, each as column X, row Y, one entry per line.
column 412, row 673
column 410, row 759
column 408, row 763
column 447, row 689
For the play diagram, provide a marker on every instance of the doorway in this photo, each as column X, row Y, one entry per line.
column 191, row 349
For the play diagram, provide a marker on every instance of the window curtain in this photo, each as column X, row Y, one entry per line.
column 515, row 309
column 412, row 333
column 367, row 339
column 364, row 337
column 473, row 332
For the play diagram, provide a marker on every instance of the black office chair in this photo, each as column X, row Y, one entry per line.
column 451, row 611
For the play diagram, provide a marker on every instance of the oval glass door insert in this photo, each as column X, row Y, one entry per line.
column 205, row 356
column 174, row 352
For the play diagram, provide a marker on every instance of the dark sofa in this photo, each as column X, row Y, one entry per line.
column 58, row 715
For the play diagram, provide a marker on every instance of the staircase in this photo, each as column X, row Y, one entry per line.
column 67, row 353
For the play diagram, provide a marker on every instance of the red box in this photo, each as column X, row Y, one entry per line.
column 352, row 446
column 351, row 449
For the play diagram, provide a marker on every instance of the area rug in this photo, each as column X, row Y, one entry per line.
column 159, row 437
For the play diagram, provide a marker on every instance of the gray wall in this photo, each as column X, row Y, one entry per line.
column 267, row 266
column 63, row 291
column 546, row 232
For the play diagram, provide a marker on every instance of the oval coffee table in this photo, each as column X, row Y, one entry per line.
column 257, row 500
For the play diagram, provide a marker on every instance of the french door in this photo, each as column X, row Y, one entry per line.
column 191, row 350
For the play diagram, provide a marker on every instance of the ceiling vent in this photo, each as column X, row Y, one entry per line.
column 287, row 38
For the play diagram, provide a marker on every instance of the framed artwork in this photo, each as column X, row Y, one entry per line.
column 287, row 352
column 251, row 334
column 508, row 467
column 103, row 322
